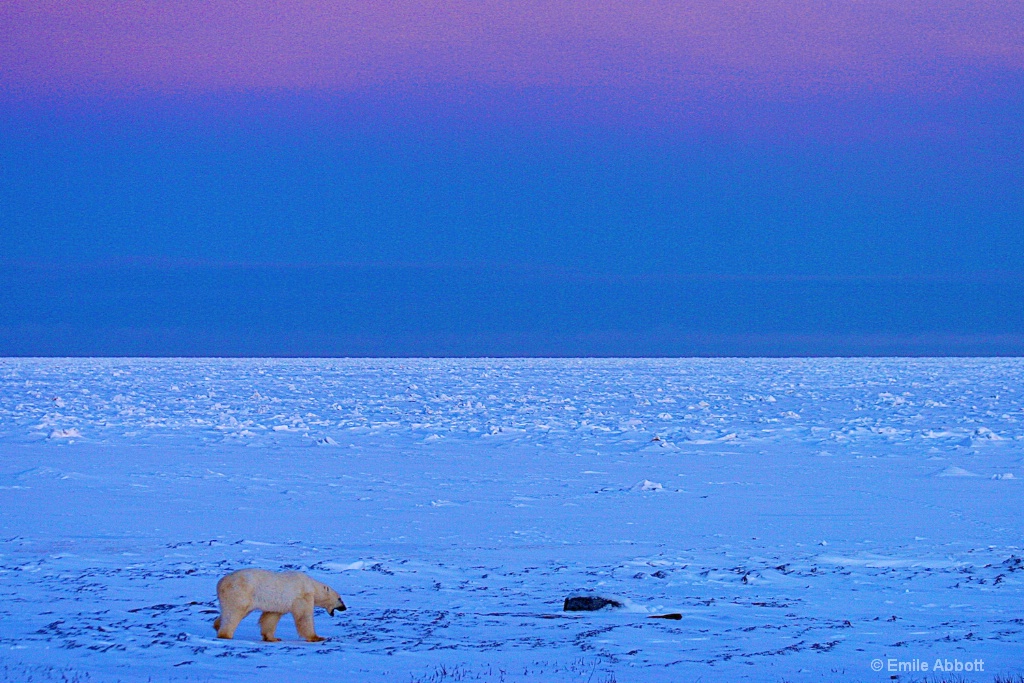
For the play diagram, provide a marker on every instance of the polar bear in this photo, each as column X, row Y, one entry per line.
column 274, row 594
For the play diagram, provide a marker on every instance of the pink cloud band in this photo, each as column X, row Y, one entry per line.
column 214, row 45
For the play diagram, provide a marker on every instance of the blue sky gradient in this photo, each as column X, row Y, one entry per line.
column 482, row 219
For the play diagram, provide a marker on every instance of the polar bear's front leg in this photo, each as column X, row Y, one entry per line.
column 302, row 612
column 268, row 625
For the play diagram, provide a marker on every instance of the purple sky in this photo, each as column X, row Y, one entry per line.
column 769, row 46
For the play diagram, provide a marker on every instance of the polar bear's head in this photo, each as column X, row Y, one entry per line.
column 329, row 599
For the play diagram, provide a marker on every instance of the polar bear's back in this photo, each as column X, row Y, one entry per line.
column 259, row 589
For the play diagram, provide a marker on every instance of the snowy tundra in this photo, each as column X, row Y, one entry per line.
column 811, row 520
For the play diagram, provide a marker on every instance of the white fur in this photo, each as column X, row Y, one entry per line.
column 278, row 592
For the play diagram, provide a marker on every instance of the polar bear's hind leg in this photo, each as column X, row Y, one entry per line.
column 228, row 622
column 268, row 625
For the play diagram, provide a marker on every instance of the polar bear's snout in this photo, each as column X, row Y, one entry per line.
column 331, row 601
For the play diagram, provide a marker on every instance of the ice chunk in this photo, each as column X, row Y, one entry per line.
column 986, row 434
column 953, row 471
column 338, row 567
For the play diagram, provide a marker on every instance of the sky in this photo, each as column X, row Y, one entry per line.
column 486, row 177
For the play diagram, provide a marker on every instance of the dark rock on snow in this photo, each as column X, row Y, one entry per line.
column 588, row 603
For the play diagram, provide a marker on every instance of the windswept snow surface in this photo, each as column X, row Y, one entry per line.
column 805, row 517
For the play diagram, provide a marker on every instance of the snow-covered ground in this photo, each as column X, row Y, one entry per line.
column 804, row 516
